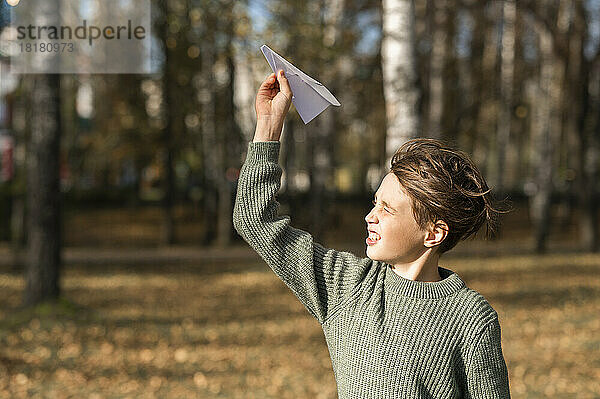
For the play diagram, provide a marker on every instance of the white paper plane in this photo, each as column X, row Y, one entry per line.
column 309, row 96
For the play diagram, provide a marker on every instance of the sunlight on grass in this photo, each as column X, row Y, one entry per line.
column 242, row 334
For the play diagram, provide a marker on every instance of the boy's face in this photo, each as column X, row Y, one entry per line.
column 394, row 236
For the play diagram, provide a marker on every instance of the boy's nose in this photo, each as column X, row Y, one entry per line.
column 370, row 218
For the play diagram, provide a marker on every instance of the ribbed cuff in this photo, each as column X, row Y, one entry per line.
column 263, row 151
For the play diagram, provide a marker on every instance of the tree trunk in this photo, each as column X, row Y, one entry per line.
column 321, row 174
column 228, row 138
column 167, row 235
column 545, row 127
column 209, row 143
column 520, row 122
column 439, row 46
column 452, row 92
column 288, row 155
column 487, row 116
column 244, row 94
column 584, row 148
column 17, row 230
column 586, row 188
column 476, row 75
column 589, row 219
column 398, row 63
column 507, row 66
column 588, row 147
column 20, row 124
column 43, row 193
column 443, row 104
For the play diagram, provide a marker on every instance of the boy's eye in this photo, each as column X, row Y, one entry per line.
column 375, row 204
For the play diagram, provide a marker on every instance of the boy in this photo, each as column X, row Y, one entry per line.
column 396, row 324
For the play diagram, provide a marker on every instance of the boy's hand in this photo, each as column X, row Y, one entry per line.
column 272, row 104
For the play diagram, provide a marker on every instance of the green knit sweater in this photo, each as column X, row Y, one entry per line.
column 388, row 337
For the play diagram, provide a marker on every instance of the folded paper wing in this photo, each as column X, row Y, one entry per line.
column 309, row 96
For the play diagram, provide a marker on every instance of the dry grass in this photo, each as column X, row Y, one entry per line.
column 221, row 330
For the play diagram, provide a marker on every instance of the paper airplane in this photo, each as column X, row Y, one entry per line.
column 309, row 96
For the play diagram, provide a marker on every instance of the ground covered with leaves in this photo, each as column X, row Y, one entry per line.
column 223, row 329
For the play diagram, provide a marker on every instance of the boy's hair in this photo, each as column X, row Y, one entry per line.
column 443, row 183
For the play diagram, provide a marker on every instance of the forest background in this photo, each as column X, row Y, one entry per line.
column 121, row 273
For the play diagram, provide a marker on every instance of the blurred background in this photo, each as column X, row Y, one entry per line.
column 121, row 274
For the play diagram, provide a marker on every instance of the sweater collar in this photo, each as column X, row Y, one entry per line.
column 449, row 284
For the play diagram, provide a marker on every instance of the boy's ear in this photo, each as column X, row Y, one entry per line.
column 436, row 234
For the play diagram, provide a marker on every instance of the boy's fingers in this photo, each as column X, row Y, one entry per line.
column 284, row 85
column 269, row 80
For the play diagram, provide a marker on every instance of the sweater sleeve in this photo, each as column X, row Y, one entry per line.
column 318, row 276
column 487, row 374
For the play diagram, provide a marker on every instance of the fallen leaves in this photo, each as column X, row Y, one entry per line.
column 242, row 334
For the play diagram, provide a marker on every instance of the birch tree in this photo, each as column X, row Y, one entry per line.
column 545, row 134
column 398, row 63
column 244, row 92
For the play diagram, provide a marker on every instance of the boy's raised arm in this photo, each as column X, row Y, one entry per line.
column 319, row 277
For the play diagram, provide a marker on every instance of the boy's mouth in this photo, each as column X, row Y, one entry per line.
column 372, row 238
